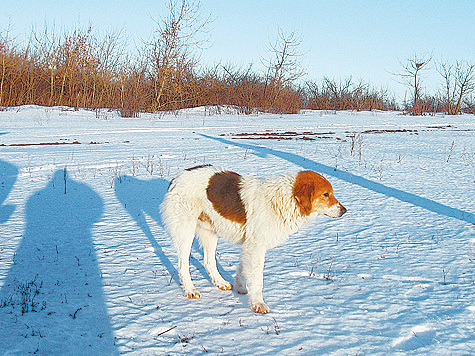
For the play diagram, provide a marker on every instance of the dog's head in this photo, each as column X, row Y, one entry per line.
column 314, row 194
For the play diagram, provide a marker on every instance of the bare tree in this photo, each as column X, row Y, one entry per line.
column 47, row 46
column 412, row 75
column 170, row 52
column 5, row 53
column 243, row 87
column 75, row 65
column 110, row 55
column 459, row 80
column 283, row 69
column 339, row 93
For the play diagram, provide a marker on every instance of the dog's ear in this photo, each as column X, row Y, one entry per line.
column 303, row 194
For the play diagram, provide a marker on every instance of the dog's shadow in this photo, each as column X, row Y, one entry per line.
column 144, row 197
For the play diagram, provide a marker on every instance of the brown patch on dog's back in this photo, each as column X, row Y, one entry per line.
column 307, row 186
column 223, row 193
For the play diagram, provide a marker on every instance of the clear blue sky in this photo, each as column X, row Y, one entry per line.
column 364, row 39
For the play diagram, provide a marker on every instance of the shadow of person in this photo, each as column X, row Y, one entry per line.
column 8, row 175
column 52, row 297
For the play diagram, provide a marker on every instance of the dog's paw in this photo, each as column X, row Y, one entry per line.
column 240, row 288
column 194, row 294
column 260, row 308
column 225, row 285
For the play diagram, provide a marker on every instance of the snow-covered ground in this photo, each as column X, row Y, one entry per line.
column 87, row 269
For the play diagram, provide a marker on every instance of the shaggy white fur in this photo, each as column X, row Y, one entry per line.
column 272, row 213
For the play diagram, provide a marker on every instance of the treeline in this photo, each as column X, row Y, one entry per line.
column 82, row 70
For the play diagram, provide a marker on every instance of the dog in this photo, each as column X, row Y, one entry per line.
column 257, row 214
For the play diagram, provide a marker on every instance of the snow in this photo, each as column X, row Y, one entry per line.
column 87, row 269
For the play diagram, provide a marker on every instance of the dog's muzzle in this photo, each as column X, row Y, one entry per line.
column 336, row 211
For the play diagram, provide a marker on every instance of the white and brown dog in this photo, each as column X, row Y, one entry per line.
column 258, row 214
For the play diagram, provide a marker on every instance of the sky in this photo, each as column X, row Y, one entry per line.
column 367, row 40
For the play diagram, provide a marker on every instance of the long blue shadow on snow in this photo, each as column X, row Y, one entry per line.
column 8, row 175
column 52, row 297
column 140, row 197
column 354, row 179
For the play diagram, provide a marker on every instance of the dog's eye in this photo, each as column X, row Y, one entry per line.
column 326, row 195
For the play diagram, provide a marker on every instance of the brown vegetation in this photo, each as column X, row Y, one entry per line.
column 82, row 70
column 346, row 95
column 459, row 81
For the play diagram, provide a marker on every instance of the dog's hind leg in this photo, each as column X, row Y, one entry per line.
column 209, row 242
column 183, row 244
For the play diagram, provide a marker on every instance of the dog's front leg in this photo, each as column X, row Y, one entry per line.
column 251, row 272
column 241, row 284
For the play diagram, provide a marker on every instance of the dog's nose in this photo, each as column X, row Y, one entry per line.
column 342, row 209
